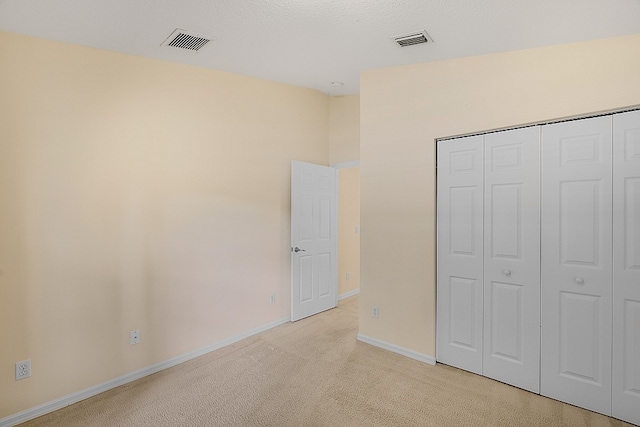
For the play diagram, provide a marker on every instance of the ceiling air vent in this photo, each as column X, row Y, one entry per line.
column 413, row 38
column 185, row 40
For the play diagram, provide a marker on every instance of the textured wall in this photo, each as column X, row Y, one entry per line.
column 403, row 111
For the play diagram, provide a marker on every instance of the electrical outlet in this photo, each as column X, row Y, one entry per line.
column 374, row 312
column 135, row 337
column 272, row 298
column 23, row 369
column 348, row 276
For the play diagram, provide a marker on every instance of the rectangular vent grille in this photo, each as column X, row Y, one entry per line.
column 184, row 40
column 412, row 39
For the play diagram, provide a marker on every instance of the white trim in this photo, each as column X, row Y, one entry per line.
column 547, row 122
column 420, row 357
column 72, row 398
column 343, row 165
column 348, row 294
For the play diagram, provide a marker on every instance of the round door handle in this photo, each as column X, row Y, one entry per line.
column 297, row 249
column 506, row 272
column 579, row 280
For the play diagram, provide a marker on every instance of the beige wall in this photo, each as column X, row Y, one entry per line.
column 348, row 238
column 138, row 194
column 344, row 132
column 404, row 109
column 344, row 147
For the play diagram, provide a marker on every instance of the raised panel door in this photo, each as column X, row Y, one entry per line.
column 626, row 267
column 313, row 239
column 460, row 253
column 576, row 263
column 512, row 257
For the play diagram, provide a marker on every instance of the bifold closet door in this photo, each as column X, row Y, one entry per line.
column 512, row 257
column 460, row 253
column 626, row 268
column 577, row 263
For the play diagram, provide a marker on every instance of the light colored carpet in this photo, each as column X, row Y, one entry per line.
column 314, row 373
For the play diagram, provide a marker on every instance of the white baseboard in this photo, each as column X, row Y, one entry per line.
column 70, row 399
column 397, row 349
column 348, row 294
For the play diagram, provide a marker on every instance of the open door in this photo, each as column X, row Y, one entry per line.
column 314, row 218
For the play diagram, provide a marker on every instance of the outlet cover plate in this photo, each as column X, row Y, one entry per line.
column 375, row 313
column 23, row 369
column 135, row 337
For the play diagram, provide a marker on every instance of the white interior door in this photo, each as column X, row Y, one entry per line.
column 512, row 258
column 314, row 217
column 626, row 268
column 577, row 263
column 460, row 256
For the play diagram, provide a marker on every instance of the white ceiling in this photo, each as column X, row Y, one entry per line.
column 313, row 43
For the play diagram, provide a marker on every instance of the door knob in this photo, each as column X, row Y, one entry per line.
column 579, row 280
column 297, row 249
column 506, row 272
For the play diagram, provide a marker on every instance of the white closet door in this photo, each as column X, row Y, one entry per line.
column 512, row 258
column 460, row 258
column 576, row 263
column 626, row 268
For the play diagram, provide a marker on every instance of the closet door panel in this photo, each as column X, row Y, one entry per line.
column 460, row 256
column 512, row 258
column 576, row 263
column 626, row 269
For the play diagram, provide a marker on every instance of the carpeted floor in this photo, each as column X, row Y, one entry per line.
column 314, row 373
